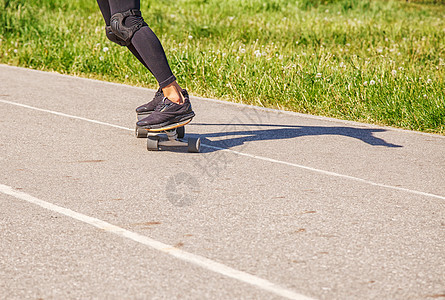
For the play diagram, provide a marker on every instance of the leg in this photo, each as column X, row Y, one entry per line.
column 106, row 13
column 146, row 44
column 126, row 26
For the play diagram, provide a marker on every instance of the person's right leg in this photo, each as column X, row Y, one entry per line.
column 149, row 48
column 125, row 21
column 106, row 13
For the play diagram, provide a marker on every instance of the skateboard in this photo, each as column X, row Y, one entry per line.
column 175, row 137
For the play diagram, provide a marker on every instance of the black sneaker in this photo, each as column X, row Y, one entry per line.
column 167, row 113
column 148, row 108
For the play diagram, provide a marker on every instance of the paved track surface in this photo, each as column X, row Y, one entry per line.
column 278, row 205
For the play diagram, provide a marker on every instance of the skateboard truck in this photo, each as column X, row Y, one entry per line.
column 175, row 137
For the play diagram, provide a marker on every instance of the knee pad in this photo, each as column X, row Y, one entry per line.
column 123, row 32
column 112, row 37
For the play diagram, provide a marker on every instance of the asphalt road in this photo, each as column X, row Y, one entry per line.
column 278, row 204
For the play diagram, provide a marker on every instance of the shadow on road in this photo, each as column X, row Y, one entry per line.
column 234, row 137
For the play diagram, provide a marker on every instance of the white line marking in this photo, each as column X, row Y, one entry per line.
column 180, row 254
column 63, row 115
column 246, row 154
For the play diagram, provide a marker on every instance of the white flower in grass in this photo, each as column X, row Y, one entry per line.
column 429, row 80
column 15, row 50
column 190, row 37
column 105, row 49
column 424, row 95
column 365, row 83
column 394, row 72
column 126, row 76
column 257, row 53
column 242, row 50
column 101, row 58
column 231, row 18
column 372, row 82
column 318, row 75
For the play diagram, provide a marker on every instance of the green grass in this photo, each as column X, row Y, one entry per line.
column 374, row 61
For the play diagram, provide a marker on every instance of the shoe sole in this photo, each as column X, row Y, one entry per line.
column 168, row 123
column 169, row 127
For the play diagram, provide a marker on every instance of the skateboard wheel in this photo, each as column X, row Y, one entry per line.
column 141, row 133
column 194, row 145
column 180, row 131
column 152, row 143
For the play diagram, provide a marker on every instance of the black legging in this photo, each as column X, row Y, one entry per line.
column 144, row 44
